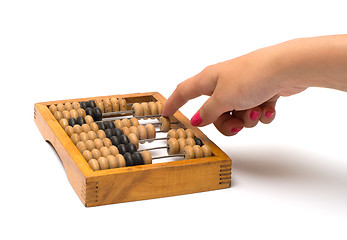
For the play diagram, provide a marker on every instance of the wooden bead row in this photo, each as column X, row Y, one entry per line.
column 111, row 104
column 62, row 107
column 147, row 109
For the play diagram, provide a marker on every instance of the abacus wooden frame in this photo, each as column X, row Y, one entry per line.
column 134, row 183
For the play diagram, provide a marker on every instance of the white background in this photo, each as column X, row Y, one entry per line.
column 289, row 177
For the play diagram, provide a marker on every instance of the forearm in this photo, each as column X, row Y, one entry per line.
column 313, row 62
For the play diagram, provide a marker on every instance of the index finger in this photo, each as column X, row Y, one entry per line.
column 203, row 83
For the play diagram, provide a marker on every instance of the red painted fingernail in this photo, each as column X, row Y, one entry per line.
column 269, row 114
column 196, row 119
column 235, row 130
column 254, row 115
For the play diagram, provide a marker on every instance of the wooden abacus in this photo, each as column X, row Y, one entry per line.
column 132, row 183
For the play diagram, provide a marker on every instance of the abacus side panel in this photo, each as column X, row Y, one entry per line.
column 159, row 182
column 53, row 133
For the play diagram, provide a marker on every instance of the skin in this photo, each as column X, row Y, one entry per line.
column 244, row 90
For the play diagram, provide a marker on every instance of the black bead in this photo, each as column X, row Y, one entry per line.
column 128, row 159
column 130, row 147
column 124, row 139
column 109, row 133
column 117, row 132
column 101, row 125
column 80, row 120
column 91, row 104
column 115, row 141
column 89, row 111
column 97, row 114
column 198, row 141
column 83, row 105
column 122, row 149
column 72, row 122
column 109, row 125
column 137, row 158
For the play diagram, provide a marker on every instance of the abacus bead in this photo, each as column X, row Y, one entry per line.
column 89, row 111
column 83, row 137
column 181, row 133
column 100, row 104
column 172, row 134
column 80, row 120
column 63, row 123
column 94, row 164
column 134, row 122
column 87, row 155
column 86, row 128
column 90, row 145
column 58, row 115
column 115, row 140
column 107, row 105
column 160, row 107
column 125, row 130
column 94, row 127
column 190, row 133
column 138, row 109
column 98, row 143
column 198, row 151
column 101, row 134
column 103, row 163
column 153, row 108
column 107, row 142
column 68, row 106
column 53, row 108
column 72, row 122
column 128, row 159
column 150, row 130
column 142, row 132
column 122, row 149
column 206, row 151
column 91, row 135
column 89, row 119
column 91, row 104
column 104, row 151
column 188, row 152
column 173, row 147
column 164, row 123
column 97, row 114
column 130, row 147
column 83, row 105
column 133, row 139
column 146, row 156
column 60, row 107
column 81, row 146
column 124, row 139
column 118, row 123
column 109, row 125
column 198, row 141
column 134, row 130
column 66, row 114
column 101, row 125
column 117, row 132
column 108, row 133
column 69, row 130
column 77, row 129
column 113, row 150
column 75, row 138
column 81, row 112
column 146, row 110
column 122, row 104
column 137, row 158
column 115, row 104
column 96, row 153
column 126, row 122
column 182, row 143
column 112, row 161
column 190, row 142
column 76, row 105
column 74, row 113
column 120, row 160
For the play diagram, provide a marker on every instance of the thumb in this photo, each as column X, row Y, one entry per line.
column 208, row 113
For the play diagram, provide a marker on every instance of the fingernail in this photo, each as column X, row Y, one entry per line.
column 196, row 119
column 269, row 114
column 254, row 115
column 235, row 130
